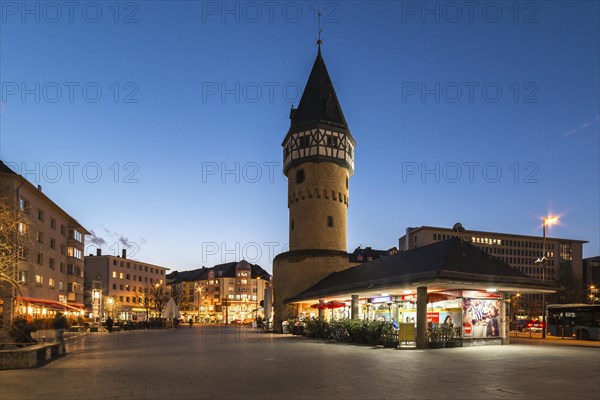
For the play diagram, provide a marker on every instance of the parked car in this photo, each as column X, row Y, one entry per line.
column 519, row 325
column 534, row 325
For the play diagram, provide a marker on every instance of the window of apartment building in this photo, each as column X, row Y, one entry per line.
column 39, row 237
column 162, row 271
column 127, row 299
column 39, row 280
column 61, row 286
column 63, row 230
column 121, row 264
column 41, row 215
column 121, row 287
column 128, row 265
column 128, row 277
column 146, row 279
column 63, row 249
column 52, row 243
column 151, row 280
column 140, row 278
column 146, row 269
column 114, row 274
column 22, row 277
column 74, row 252
column 74, row 270
column 151, row 270
column 62, row 267
column 115, row 262
column 40, row 258
column 114, row 286
column 76, row 235
column 52, row 263
column 24, row 205
column 51, row 283
column 22, row 229
column 53, row 223
column 23, row 254
column 120, row 275
column 121, row 299
column 127, row 287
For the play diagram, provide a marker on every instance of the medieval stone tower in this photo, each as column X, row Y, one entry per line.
column 318, row 160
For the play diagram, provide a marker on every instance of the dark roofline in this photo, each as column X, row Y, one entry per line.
column 4, row 169
column 451, row 260
column 467, row 231
column 422, row 278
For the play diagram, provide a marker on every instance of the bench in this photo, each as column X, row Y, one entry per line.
column 30, row 356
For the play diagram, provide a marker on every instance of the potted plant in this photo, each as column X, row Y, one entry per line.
column 435, row 336
column 374, row 332
column 358, row 331
column 389, row 335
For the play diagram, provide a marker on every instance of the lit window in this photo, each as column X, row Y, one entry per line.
column 39, row 280
column 74, row 252
column 114, row 274
column 120, row 275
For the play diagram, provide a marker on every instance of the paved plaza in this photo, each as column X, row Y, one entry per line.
column 229, row 363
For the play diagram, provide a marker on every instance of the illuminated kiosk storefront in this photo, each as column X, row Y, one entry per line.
column 450, row 282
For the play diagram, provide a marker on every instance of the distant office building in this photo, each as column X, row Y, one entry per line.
column 224, row 293
column 49, row 261
column 520, row 251
column 591, row 278
column 124, row 285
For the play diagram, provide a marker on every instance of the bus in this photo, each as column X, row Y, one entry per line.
column 579, row 321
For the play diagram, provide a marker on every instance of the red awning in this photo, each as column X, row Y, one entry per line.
column 50, row 304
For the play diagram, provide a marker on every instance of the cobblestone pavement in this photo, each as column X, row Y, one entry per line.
column 227, row 363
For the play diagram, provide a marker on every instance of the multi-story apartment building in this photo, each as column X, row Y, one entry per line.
column 224, row 293
column 520, row 251
column 123, row 285
column 49, row 246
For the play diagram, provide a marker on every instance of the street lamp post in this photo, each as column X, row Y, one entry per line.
column 550, row 220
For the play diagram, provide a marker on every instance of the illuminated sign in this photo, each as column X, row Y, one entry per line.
column 381, row 299
column 62, row 298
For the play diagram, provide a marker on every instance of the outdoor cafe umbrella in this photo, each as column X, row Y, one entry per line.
column 171, row 312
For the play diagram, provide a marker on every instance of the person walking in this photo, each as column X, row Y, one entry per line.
column 60, row 324
column 109, row 324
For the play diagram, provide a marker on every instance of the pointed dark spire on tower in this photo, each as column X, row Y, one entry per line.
column 319, row 104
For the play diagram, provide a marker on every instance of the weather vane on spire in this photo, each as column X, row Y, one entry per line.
column 319, row 41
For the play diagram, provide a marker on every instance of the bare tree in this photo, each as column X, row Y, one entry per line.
column 13, row 237
column 159, row 296
column 177, row 294
column 144, row 299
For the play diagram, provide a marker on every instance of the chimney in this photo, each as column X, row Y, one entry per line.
column 40, row 188
column 124, row 253
column 98, row 252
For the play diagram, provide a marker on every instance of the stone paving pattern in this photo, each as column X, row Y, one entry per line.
column 226, row 363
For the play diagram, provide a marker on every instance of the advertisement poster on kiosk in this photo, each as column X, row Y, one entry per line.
column 481, row 318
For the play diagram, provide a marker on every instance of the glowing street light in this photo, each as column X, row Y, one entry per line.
column 549, row 220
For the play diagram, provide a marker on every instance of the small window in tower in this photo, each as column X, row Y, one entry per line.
column 292, row 225
column 300, row 176
column 330, row 221
column 304, row 142
column 332, row 141
column 346, row 182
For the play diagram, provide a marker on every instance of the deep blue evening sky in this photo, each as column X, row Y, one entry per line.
column 191, row 88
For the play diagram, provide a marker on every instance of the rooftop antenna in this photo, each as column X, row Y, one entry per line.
column 319, row 41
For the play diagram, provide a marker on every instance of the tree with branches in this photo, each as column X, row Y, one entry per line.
column 159, row 296
column 13, row 236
